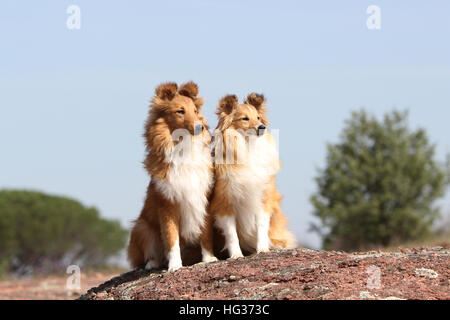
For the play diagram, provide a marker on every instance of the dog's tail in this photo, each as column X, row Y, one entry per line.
column 279, row 235
column 138, row 247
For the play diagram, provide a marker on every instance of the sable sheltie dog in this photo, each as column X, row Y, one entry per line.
column 245, row 201
column 175, row 209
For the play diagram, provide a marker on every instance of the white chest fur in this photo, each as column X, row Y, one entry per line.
column 188, row 182
column 247, row 184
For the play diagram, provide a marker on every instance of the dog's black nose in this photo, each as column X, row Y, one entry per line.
column 261, row 129
column 198, row 128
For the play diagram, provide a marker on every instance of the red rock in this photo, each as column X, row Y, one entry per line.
column 293, row 274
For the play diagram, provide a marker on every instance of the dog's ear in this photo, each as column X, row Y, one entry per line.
column 166, row 91
column 190, row 90
column 227, row 104
column 257, row 100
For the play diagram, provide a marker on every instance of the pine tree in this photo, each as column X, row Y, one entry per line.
column 379, row 184
column 40, row 232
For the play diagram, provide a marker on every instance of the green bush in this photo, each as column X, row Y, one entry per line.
column 44, row 232
column 379, row 185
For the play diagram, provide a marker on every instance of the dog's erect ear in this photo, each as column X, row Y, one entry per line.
column 227, row 104
column 257, row 100
column 190, row 90
column 166, row 91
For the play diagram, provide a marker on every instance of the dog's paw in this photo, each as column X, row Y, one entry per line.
column 263, row 249
column 263, row 245
column 174, row 265
column 236, row 256
column 209, row 259
column 173, row 268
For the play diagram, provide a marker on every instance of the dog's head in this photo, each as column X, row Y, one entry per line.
column 178, row 107
column 246, row 117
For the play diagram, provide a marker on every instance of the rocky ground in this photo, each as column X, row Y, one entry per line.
column 422, row 273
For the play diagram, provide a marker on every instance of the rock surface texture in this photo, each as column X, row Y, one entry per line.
column 294, row 274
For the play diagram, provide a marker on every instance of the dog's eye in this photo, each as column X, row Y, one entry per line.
column 181, row 112
column 245, row 119
column 259, row 118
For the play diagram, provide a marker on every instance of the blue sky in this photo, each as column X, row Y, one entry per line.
column 73, row 102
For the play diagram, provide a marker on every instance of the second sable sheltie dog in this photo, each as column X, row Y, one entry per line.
column 175, row 210
column 245, row 201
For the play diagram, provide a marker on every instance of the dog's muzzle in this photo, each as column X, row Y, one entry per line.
column 260, row 130
column 198, row 129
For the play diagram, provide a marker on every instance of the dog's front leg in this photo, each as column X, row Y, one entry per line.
column 171, row 239
column 227, row 223
column 174, row 257
column 263, row 225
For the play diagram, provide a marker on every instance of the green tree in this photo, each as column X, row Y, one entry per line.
column 44, row 232
column 379, row 184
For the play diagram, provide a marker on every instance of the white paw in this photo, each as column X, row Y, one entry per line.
column 209, row 259
column 236, row 255
column 151, row 264
column 174, row 265
column 207, row 256
column 262, row 249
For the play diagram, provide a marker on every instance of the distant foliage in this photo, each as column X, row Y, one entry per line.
column 379, row 184
column 43, row 232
